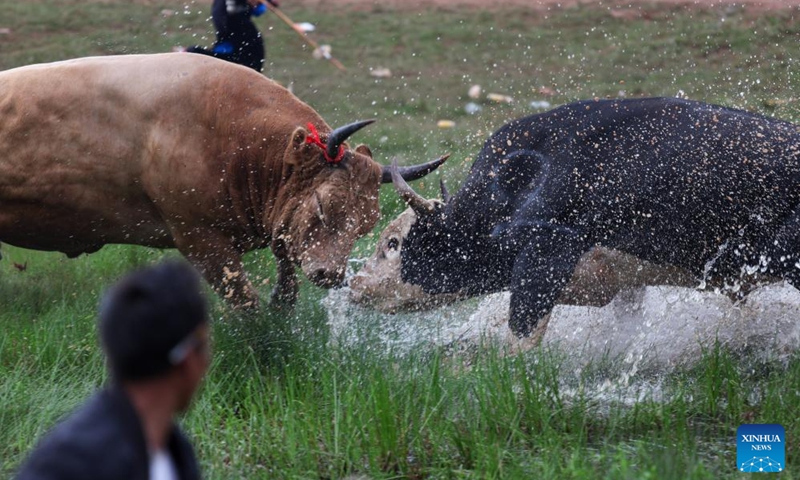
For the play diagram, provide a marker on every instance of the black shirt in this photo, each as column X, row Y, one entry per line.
column 230, row 18
column 103, row 440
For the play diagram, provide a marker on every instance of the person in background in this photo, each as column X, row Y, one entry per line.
column 238, row 39
column 154, row 330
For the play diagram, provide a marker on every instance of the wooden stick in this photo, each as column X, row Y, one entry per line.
column 302, row 34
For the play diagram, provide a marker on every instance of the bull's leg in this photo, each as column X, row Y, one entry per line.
column 541, row 270
column 221, row 265
column 284, row 295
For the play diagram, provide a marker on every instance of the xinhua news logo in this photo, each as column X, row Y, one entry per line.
column 761, row 448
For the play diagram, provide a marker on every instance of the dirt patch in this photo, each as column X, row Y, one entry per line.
column 758, row 5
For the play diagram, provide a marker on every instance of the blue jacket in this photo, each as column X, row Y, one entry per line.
column 103, row 440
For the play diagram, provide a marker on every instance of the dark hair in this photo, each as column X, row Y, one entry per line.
column 146, row 314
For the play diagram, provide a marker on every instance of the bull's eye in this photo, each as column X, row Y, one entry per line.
column 392, row 250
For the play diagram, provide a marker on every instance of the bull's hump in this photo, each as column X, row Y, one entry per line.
column 150, row 75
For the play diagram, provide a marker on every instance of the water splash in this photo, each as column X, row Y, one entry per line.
column 640, row 337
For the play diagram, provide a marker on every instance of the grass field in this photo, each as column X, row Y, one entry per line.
column 279, row 401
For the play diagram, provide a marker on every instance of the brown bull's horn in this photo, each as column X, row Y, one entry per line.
column 338, row 136
column 445, row 194
column 417, row 202
column 415, row 171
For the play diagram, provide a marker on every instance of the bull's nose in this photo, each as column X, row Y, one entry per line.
column 356, row 282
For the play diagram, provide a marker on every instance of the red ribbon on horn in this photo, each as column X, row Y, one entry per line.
column 313, row 138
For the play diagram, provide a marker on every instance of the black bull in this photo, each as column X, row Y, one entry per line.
column 707, row 188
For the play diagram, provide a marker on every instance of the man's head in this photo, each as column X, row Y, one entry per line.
column 154, row 323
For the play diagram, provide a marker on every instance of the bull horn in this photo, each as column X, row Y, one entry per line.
column 414, row 172
column 338, row 136
column 445, row 194
column 417, row 202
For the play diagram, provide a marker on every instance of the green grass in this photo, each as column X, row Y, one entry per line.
column 279, row 402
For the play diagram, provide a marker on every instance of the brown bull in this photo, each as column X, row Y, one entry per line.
column 183, row 151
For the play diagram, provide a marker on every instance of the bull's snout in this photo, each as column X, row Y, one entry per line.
column 359, row 283
column 364, row 287
column 326, row 277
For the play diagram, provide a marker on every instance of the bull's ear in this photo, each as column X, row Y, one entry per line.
column 296, row 145
column 299, row 137
column 364, row 150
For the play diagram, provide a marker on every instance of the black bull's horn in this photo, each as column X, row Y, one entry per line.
column 446, row 197
column 417, row 202
column 413, row 172
column 338, row 136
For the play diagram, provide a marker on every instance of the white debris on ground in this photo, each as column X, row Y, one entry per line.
column 540, row 104
column 499, row 98
column 472, row 108
column 305, row 27
column 474, row 92
column 380, row 72
column 323, row 51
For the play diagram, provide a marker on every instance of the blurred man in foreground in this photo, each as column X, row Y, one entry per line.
column 155, row 334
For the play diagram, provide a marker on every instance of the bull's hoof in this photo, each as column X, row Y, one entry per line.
column 522, row 329
column 537, row 334
column 532, row 332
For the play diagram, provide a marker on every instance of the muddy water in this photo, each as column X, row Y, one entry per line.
column 641, row 335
